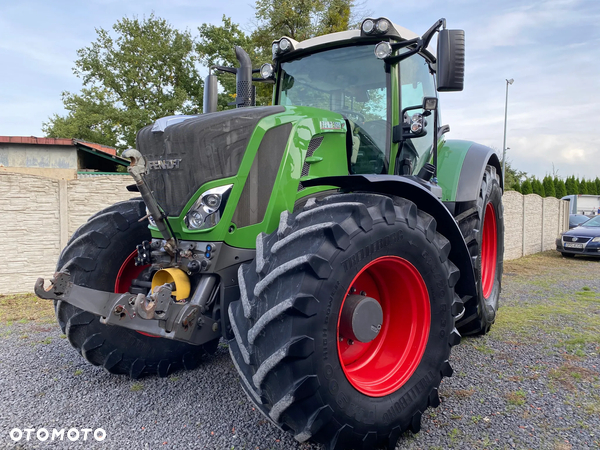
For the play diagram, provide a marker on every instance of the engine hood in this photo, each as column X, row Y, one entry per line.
column 185, row 154
column 583, row 232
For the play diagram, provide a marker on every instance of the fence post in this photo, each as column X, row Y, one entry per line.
column 543, row 204
column 63, row 213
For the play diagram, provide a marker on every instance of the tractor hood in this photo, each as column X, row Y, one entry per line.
column 184, row 155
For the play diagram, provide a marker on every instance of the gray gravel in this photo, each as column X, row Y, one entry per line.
column 510, row 390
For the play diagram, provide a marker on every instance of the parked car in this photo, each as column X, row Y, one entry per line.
column 577, row 219
column 581, row 240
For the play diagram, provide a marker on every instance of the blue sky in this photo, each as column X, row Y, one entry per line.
column 550, row 48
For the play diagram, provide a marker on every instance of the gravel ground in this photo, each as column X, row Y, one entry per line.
column 531, row 383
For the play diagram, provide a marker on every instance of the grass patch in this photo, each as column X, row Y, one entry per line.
column 136, row 387
column 516, row 398
column 23, row 308
column 570, row 317
column 569, row 375
column 78, row 372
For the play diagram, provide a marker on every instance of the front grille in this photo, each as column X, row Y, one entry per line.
column 581, row 240
column 313, row 145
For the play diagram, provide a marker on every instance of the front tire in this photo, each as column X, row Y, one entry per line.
column 295, row 362
column 100, row 256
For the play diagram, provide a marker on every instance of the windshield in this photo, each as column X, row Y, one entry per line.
column 578, row 220
column 594, row 222
column 353, row 82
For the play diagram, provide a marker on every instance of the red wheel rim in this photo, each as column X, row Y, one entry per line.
column 489, row 250
column 384, row 365
column 127, row 273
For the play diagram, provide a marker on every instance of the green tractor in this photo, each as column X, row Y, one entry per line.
column 336, row 239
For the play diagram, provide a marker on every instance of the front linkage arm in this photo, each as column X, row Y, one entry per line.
column 157, row 314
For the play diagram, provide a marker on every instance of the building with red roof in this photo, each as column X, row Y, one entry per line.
column 58, row 158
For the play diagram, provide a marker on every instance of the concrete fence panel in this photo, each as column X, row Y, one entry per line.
column 513, row 225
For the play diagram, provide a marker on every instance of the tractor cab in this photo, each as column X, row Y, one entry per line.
column 378, row 78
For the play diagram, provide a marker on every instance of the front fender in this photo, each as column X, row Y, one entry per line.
column 425, row 201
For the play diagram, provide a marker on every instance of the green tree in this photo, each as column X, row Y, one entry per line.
column 526, row 187
column 537, row 187
column 559, row 188
column 571, row 186
column 583, row 187
column 512, row 176
column 549, row 187
column 516, row 186
column 597, row 183
column 591, row 187
column 142, row 70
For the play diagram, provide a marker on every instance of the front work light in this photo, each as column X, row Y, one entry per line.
column 266, row 71
column 206, row 212
column 285, row 44
column 383, row 50
column 368, row 26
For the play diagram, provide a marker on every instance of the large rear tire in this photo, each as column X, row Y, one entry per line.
column 99, row 256
column 295, row 359
column 482, row 226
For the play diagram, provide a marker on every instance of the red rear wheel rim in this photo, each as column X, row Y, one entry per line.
column 489, row 250
column 384, row 365
column 127, row 273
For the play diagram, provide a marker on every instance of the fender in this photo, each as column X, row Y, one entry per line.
column 425, row 201
column 460, row 169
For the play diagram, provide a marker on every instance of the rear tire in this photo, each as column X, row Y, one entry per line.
column 287, row 345
column 95, row 257
column 482, row 226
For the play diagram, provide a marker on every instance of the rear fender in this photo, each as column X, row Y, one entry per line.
column 425, row 201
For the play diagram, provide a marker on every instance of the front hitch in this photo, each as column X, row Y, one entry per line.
column 157, row 313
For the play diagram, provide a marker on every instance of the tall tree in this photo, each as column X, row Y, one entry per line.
column 537, row 187
column 142, row 70
column 583, row 187
column 559, row 187
column 549, row 187
column 591, row 187
column 526, row 187
column 597, row 183
column 571, row 186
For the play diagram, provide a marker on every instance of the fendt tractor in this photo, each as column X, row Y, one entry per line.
column 336, row 239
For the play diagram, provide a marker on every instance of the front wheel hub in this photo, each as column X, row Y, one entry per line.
column 361, row 318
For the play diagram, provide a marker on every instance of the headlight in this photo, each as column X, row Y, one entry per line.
column 596, row 239
column 206, row 212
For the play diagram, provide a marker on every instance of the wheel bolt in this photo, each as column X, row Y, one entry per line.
column 363, row 293
column 350, row 342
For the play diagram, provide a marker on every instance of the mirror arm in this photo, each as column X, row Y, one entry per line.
column 428, row 35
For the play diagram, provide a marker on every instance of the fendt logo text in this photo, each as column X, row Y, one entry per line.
column 42, row 434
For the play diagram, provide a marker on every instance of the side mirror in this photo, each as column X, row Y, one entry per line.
column 450, row 60
column 210, row 94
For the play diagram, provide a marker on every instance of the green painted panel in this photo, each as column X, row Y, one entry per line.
column 451, row 156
